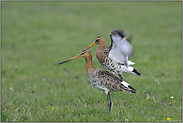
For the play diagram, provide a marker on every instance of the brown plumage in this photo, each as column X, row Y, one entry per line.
column 101, row 79
column 102, row 54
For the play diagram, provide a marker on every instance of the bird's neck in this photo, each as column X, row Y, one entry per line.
column 89, row 65
column 101, row 46
column 100, row 49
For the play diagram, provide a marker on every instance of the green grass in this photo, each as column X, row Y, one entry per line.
column 36, row 36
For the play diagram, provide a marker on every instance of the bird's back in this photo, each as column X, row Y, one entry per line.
column 106, row 81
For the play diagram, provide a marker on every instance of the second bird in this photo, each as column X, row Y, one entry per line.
column 115, row 57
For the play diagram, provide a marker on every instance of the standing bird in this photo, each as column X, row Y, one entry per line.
column 101, row 79
column 115, row 57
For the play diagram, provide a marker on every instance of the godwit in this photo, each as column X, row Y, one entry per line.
column 115, row 57
column 101, row 79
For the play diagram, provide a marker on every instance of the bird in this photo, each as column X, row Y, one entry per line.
column 102, row 79
column 115, row 57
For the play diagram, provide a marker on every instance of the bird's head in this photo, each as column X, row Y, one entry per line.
column 84, row 53
column 98, row 40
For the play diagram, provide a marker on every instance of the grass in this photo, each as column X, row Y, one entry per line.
column 36, row 36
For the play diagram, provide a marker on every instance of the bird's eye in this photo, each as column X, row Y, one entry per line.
column 97, row 40
column 83, row 53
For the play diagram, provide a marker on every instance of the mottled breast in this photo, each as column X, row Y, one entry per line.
column 108, row 63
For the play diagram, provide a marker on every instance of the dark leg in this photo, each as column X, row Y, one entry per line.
column 120, row 77
column 109, row 103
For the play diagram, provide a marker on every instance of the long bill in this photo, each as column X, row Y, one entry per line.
column 70, row 59
column 91, row 45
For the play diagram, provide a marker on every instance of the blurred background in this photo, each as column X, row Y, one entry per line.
column 36, row 36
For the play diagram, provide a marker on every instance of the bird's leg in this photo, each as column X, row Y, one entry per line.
column 109, row 103
column 121, row 77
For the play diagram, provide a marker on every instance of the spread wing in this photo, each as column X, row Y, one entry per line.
column 120, row 49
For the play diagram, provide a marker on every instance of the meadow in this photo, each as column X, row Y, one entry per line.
column 36, row 36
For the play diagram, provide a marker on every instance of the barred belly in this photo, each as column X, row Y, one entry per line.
column 109, row 64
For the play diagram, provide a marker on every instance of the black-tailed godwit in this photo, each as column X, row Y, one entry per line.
column 101, row 79
column 115, row 57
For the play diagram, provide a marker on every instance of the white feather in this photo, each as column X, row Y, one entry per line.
column 125, row 83
column 120, row 50
column 122, row 44
column 130, row 69
column 131, row 63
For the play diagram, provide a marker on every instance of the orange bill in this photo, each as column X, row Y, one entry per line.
column 70, row 59
column 91, row 45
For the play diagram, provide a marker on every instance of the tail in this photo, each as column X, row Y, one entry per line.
column 132, row 89
column 131, row 63
column 132, row 70
column 136, row 72
column 127, row 88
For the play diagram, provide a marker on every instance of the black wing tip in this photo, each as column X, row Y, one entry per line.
column 123, row 34
column 119, row 32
